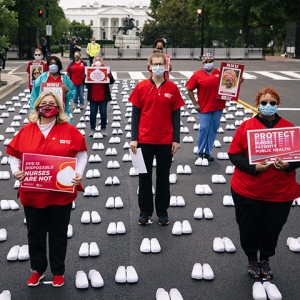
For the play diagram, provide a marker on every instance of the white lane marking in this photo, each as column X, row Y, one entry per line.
column 136, row 75
column 281, row 108
column 272, row 75
column 114, row 74
column 187, row 74
column 249, row 76
column 290, row 73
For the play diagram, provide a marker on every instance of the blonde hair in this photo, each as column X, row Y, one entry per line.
column 61, row 116
column 98, row 56
column 157, row 55
column 78, row 53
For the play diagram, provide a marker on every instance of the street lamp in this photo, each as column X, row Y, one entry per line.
column 200, row 20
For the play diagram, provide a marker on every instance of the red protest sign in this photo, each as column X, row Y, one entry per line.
column 97, row 74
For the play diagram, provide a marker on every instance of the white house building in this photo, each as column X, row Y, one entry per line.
column 105, row 20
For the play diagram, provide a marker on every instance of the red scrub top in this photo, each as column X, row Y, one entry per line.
column 62, row 140
column 156, row 105
column 207, row 86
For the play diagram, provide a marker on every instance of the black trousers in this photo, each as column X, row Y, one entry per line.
column 91, row 59
column 162, row 195
column 53, row 219
column 260, row 223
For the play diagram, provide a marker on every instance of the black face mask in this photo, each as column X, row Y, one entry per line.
column 159, row 48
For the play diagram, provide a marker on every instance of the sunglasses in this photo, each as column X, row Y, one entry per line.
column 264, row 103
column 35, row 73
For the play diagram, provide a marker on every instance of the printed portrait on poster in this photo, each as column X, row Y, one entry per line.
column 35, row 72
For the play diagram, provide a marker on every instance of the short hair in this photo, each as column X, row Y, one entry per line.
column 74, row 38
column 61, row 116
column 157, row 55
column 265, row 91
column 93, row 38
column 159, row 40
column 58, row 62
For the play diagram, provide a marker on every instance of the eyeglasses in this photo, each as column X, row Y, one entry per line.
column 155, row 65
column 264, row 103
column 35, row 73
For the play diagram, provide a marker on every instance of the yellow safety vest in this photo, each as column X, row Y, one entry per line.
column 93, row 49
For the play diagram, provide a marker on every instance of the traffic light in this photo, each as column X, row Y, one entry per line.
column 40, row 13
column 199, row 15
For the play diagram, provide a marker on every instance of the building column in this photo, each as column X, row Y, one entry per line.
column 109, row 36
column 120, row 22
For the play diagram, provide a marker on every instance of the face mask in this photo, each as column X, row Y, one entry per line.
column 53, row 69
column 98, row 63
column 158, row 71
column 93, row 42
column 268, row 110
column 208, row 66
column 48, row 111
column 160, row 48
column 37, row 57
column 76, row 57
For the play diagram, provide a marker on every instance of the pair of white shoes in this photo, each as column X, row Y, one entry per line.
column 128, row 274
column 217, row 144
column 148, row 246
column 86, row 217
column 184, row 130
column 177, row 201
column 238, row 122
column 222, row 155
column 126, row 145
column 98, row 146
column 202, row 162
column 230, row 127
column 94, row 158
column 261, row 290
column 126, row 157
column 4, row 161
column 9, row 204
column 81, row 125
column 18, row 253
column 97, row 135
column 196, row 126
column 3, row 235
column 229, row 170
column 92, row 174
column 117, row 132
column 293, row 244
column 128, row 135
column 132, row 172
column 220, row 130
column 188, row 139
column 5, row 295
column 182, row 228
column 113, row 164
column 203, row 189
column 10, row 130
column 172, row 178
column 112, row 181
column 183, row 170
column 94, row 276
column 191, row 120
column 162, row 294
column 230, row 116
column 228, row 200
column 223, row 244
column 218, row 179
column 111, row 152
column 114, row 202
column 15, row 124
column 199, row 212
column 86, row 250
column 227, row 139
column 128, row 127
column 202, row 272
column 91, row 190
column 116, row 228
column 114, row 140
column 115, row 125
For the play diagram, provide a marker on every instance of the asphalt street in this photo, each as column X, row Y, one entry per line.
column 172, row 267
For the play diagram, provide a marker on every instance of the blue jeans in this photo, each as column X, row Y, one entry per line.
column 79, row 89
column 93, row 113
column 209, row 124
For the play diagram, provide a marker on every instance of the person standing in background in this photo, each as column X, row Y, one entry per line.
column 92, row 49
column 43, row 44
column 74, row 47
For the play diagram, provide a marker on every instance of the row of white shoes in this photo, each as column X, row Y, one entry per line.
column 116, row 228
column 182, row 228
column 91, row 190
column 18, row 253
column 95, row 173
column 5, row 175
column 112, row 181
column 81, row 280
column 177, row 201
column 9, row 205
column 86, row 250
column 5, row 295
column 261, row 290
column 114, row 202
column 148, row 246
column 184, row 170
column 87, row 217
column 223, row 244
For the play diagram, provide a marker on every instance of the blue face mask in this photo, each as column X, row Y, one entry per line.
column 268, row 110
column 208, row 66
column 158, row 71
column 53, row 69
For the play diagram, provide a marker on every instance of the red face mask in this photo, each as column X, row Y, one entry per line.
column 48, row 111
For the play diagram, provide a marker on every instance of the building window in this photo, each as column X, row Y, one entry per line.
column 114, row 23
column 104, row 23
column 137, row 23
column 82, row 21
column 91, row 22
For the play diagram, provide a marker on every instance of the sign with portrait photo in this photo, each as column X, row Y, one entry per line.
column 55, row 87
column 229, row 85
column 268, row 144
column 97, row 74
column 35, row 72
column 46, row 172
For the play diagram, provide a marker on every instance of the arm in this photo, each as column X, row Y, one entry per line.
column 176, row 130
column 35, row 92
column 195, row 102
column 81, row 162
column 135, row 119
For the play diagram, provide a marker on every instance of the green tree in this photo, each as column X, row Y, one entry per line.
column 81, row 31
column 8, row 19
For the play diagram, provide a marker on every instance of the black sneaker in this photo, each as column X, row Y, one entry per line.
column 208, row 157
column 143, row 220
column 163, row 221
column 254, row 269
column 265, row 270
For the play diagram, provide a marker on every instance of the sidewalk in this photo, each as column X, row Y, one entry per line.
column 13, row 82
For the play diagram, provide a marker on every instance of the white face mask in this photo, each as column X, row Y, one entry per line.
column 98, row 63
column 158, row 71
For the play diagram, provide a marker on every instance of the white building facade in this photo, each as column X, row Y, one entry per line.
column 105, row 20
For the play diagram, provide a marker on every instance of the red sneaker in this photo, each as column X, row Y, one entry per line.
column 58, row 280
column 34, row 279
